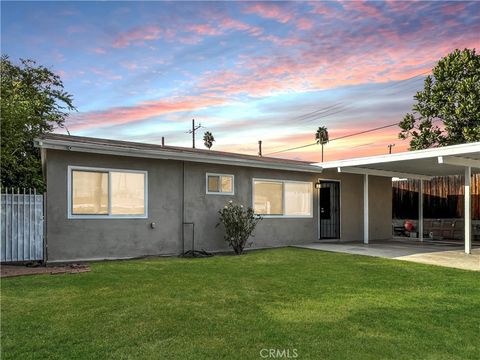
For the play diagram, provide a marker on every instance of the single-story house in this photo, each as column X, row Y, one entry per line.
column 109, row 199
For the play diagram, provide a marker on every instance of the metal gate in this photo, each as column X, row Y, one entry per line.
column 329, row 209
column 21, row 226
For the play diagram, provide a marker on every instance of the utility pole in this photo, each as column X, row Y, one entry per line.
column 390, row 146
column 194, row 128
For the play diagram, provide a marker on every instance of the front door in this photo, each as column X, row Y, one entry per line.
column 329, row 209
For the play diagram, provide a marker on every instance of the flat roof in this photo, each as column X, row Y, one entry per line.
column 421, row 164
column 136, row 149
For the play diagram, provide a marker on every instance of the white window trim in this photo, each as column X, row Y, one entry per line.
column 219, row 192
column 108, row 171
column 283, row 199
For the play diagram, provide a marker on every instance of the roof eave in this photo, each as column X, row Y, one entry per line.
column 169, row 155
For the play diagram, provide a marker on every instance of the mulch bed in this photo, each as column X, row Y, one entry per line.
column 22, row 270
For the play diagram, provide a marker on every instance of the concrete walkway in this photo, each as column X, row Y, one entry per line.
column 425, row 253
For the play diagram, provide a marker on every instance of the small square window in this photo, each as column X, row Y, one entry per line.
column 220, row 184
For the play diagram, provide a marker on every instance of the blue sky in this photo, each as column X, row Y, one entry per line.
column 247, row 71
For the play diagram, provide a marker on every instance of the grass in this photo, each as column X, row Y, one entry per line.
column 323, row 305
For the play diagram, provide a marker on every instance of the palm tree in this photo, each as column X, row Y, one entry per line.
column 208, row 139
column 322, row 136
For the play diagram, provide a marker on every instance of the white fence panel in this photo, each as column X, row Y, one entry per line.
column 21, row 226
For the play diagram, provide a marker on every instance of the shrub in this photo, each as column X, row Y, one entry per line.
column 239, row 223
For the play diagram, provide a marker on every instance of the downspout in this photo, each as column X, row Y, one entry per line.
column 43, row 157
column 183, row 207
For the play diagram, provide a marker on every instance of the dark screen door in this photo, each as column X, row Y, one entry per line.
column 329, row 209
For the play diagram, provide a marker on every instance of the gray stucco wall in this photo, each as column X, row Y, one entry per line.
column 202, row 209
column 351, row 202
column 85, row 239
column 380, row 207
column 74, row 239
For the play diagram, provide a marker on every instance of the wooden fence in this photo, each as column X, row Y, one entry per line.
column 21, row 227
column 443, row 197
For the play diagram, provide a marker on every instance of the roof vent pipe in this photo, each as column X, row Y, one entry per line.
column 259, row 147
column 163, row 141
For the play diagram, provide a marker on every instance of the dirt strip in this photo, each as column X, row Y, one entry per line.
column 22, row 270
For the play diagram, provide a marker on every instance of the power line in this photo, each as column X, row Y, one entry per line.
column 365, row 131
column 338, row 138
column 342, row 137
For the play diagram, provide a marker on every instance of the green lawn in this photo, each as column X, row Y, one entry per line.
column 323, row 305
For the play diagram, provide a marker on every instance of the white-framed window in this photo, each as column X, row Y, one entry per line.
column 220, row 184
column 99, row 193
column 282, row 198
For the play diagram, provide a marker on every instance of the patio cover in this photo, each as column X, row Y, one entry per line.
column 463, row 159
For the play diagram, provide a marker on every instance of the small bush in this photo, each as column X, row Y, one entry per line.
column 239, row 223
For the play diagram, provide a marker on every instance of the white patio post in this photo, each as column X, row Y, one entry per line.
column 420, row 211
column 365, row 208
column 468, row 211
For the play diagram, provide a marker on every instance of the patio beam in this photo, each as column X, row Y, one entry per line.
column 385, row 173
column 365, row 209
column 468, row 211
column 459, row 161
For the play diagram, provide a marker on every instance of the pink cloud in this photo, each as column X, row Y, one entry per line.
column 367, row 8
column 453, row 9
column 233, row 24
column 326, row 63
column 204, row 29
column 99, row 50
column 270, row 11
column 188, row 34
column 322, row 8
column 305, row 24
column 139, row 35
column 129, row 65
column 142, row 111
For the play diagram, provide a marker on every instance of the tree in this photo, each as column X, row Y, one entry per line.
column 447, row 110
column 208, row 139
column 322, row 137
column 33, row 102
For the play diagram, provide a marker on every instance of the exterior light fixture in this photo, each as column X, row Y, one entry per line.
column 317, row 185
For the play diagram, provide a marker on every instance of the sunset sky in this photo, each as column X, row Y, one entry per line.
column 246, row 71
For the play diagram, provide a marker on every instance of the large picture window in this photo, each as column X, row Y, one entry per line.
column 282, row 198
column 106, row 193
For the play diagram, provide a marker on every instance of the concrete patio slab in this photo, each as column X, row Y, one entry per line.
column 425, row 253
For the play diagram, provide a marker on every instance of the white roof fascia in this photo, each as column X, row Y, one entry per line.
column 171, row 155
column 459, row 161
column 452, row 150
column 374, row 172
